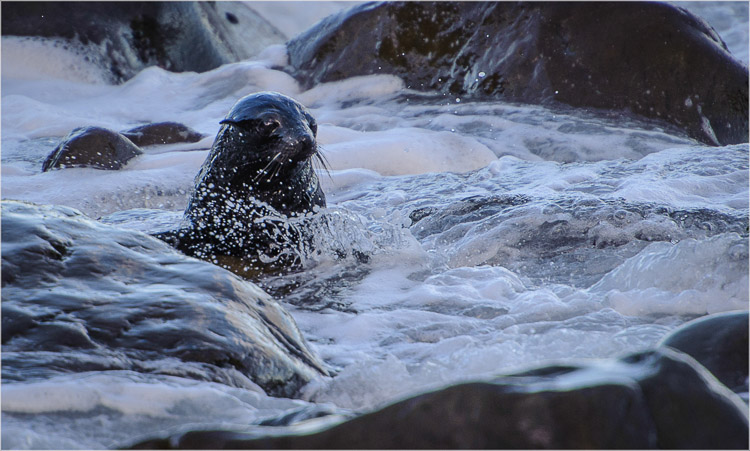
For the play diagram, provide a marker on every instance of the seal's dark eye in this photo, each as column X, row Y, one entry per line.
column 268, row 126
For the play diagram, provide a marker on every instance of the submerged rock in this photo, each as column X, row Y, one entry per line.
column 92, row 147
column 536, row 236
column 652, row 59
column 125, row 37
column 78, row 295
column 656, row 399
column 718, row 342
column 162, row 133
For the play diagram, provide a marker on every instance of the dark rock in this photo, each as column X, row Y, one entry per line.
column 657, row 399
column 78, row 295
column 92, row 147
column 719, row 343
column 689, row 408
column 125, row 37
column 652, row 59
column 162, row 133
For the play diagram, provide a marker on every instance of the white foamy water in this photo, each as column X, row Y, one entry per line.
column 499, row 236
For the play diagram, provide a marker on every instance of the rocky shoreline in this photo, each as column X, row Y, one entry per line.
column 658, row 399
column 662, row 398
column 81, row 296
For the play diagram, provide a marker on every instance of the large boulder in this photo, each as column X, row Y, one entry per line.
column 655, row 399
column 125, row 37
column 78, row 295
column 719, row 342
column 92, row 147
column 652, row 59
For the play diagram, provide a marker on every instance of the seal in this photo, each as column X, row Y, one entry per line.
column 258, row 174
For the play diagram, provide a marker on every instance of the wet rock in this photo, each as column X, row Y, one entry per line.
column 718, row 342
column 125, row 37
column 656, row 399
column 78, row 295
column 654, row 60
column 92, row 147
column 162, row 133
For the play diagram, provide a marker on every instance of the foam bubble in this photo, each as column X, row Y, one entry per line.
column 148, row 181
column 36, row 58
column 690, row 277
column 412, row 333
column 408, row 151
column 126, row 406
column 352, row 89
column 683, row 178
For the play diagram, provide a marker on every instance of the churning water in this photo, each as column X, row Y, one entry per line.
column 499, row 235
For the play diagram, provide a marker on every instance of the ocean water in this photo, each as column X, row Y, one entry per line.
column 501, row 236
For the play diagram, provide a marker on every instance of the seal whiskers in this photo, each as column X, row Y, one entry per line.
column 324, row 164
column 264, row 171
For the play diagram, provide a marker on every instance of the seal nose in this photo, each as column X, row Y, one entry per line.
column 306, row 138
column 299, row 140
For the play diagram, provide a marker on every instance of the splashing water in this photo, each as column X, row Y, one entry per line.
column 460, row 240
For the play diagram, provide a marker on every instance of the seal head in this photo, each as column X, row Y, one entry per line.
column 264, row 150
